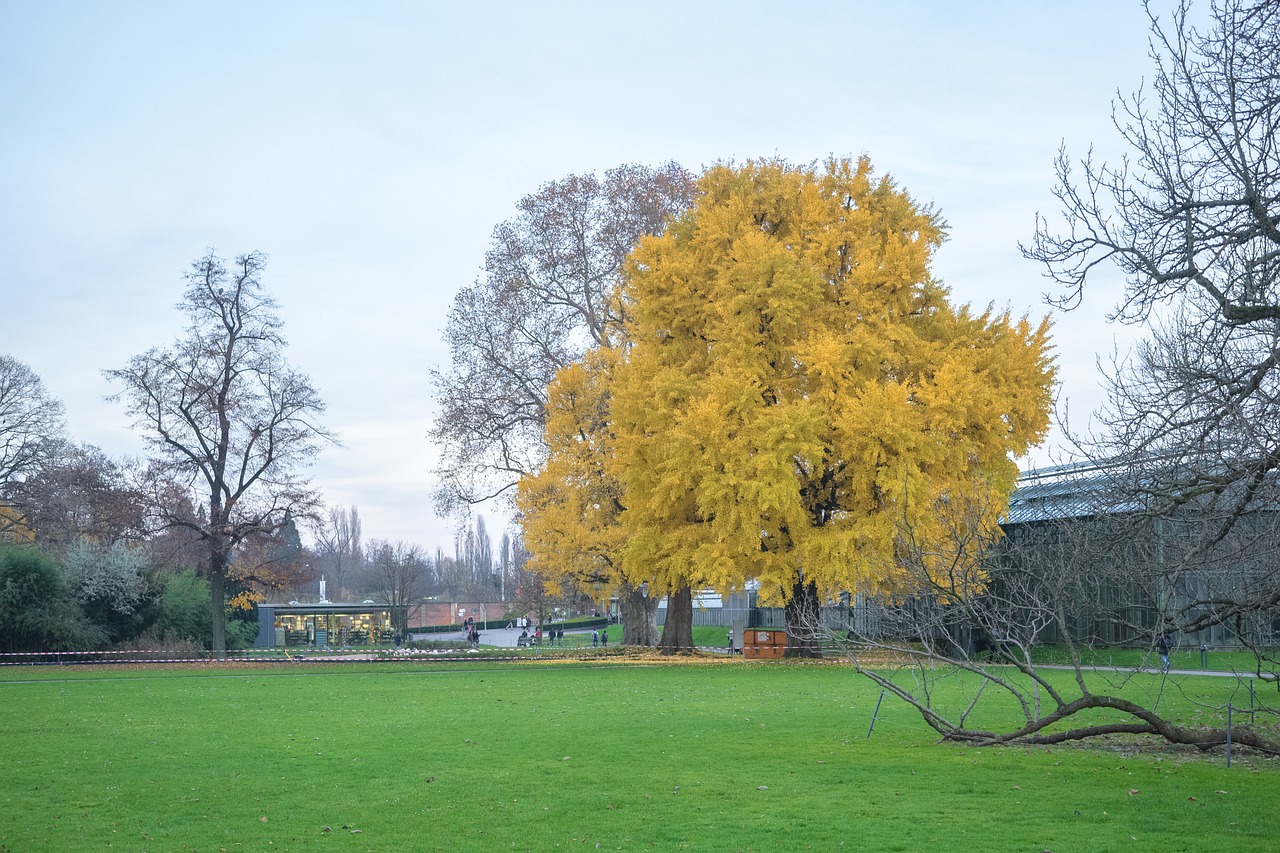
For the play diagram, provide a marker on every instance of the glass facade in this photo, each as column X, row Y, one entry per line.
column 323, row 625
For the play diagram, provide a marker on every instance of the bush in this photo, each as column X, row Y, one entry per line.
column 37, row 612
column 112, row 587
column 185, row 614
column 184, row 609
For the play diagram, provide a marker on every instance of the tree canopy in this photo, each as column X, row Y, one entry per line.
column 545, row 298
column 794, row 384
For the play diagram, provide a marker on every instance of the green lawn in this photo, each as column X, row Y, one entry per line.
column 460, row 757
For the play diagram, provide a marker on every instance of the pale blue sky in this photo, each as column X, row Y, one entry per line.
column 369, row 148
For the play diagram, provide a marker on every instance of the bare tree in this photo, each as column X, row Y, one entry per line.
column 31, row 427
column 229, row 422
column 546, row 297
column 397, row 572
column 470, row 572
column 79, row 491
column 1191, row 217
column 1029, row 620
column 339, row 550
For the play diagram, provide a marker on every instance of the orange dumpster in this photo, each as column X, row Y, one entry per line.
column 764, row 643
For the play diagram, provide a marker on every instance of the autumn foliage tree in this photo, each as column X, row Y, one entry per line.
column 570, row 507
column 795, row 382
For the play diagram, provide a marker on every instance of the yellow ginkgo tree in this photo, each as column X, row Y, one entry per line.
column 796, row 390
column 569, row 507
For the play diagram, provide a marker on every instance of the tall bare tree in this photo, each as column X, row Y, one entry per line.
column 1191, row 217
column 31, row 427
column 229, row 422
column 546, row 296
column 339, row 550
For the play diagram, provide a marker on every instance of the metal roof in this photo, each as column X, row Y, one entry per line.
column 1067, row 491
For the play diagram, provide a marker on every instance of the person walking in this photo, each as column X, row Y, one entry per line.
column 1164, row 645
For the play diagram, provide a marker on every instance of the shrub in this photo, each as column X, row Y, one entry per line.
column 185, row 614
column 37, row 613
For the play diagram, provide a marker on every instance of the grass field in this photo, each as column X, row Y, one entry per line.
column 735, row 756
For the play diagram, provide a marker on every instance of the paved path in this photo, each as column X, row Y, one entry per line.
column 502, row 638
column 1150, row 670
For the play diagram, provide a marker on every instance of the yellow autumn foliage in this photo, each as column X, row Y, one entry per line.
column 569, row 508
column 14, row 527
column 796, row 392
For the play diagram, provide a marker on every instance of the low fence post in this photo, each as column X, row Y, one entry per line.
column 874, row 715
column 1228, row 734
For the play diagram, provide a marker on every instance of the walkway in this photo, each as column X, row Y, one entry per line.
column 502, row 638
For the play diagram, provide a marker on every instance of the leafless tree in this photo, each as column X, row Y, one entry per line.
column 469, row 573
column 79, row 492
column 546, row 296
column 1026, row 621
column 339, row 550
column 31, row 428
column 229, row 422
column 397, row 572
column 1191, row 217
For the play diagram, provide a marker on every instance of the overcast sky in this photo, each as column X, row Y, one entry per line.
column 369, row 148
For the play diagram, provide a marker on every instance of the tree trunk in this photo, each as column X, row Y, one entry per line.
column 639, row 614
column 218, row 609
column 803, row 619
column 677, row 632
column 218, row 549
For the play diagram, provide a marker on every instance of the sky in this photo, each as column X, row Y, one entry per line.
column 369, row 149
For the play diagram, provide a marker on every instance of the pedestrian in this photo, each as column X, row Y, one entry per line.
column 604, row 637
column 1164, row 645
column 595, row 637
